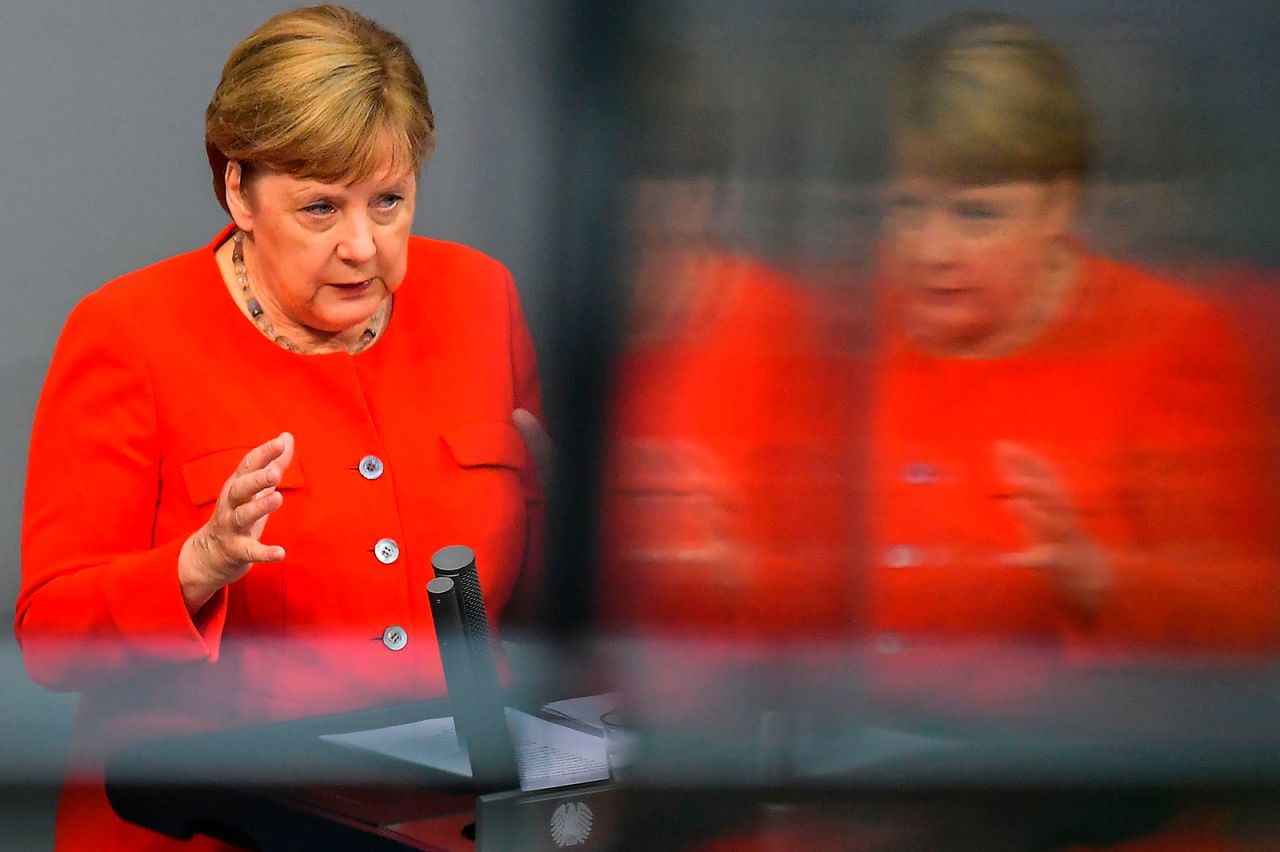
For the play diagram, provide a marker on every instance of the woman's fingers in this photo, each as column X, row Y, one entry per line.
column 245, row 487
column 1032, row 475
column 251, row 496
column 246, row 515
column 538, row 442
column 263, row 454
column 1056, row 542
column 286, row 452
column 255, row 551
column 1050, row 517
column 260, row 470
column 1040, row 557
column 222, row 550
column 237, row 542
column 1038, row 498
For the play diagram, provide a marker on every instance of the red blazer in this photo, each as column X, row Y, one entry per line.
column 158, row 387
column 1143, row 399
column 743, row 434
column 734, row 463
column 745, row 431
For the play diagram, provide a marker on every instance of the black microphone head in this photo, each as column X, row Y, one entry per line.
column 440, row 586
column 449, row 561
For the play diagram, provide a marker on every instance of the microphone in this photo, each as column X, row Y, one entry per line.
column 462, row 632
column 458, row 563
column 453, row 653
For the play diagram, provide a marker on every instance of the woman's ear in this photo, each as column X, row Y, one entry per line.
column 238, row 201
column 1063, row 206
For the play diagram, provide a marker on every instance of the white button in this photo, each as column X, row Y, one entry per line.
column 395, row 638
column 371, row 467
column 919, row 473
column 901, row 556
column 890, row 643
column 386, row 550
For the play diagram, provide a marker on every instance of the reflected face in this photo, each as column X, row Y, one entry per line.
column 970, row 261
column 673, row 212
column 323, row 256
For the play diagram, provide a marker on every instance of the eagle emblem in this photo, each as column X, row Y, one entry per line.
column 571, row 824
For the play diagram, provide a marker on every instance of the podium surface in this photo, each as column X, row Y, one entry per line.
column 282, row 787
column 1084, row 755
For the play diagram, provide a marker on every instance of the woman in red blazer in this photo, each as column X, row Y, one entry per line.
column 1067, row 451
column 244, row 456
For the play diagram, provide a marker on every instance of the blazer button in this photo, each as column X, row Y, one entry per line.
column 386, row 550
column 902, row 556
column 394, row 638
column 919, row 473
column 890, row 643
column 371, row 467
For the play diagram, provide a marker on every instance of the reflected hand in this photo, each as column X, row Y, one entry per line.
column 227, row 546
column 1049, row 520
column 539, row 445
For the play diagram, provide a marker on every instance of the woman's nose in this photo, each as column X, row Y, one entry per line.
column 357, row 245
column 937, row 239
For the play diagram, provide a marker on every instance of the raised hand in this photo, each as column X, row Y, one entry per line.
column 1056, row 542
column 227, row 546
column 538, row 443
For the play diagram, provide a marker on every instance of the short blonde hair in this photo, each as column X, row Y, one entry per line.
column 985, row 98
column 318, row 93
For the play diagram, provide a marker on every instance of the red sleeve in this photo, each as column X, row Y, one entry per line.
column 1202, row 571
column 100, row 599
column 726, row 467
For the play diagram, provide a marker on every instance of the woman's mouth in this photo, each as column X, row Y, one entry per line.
column 353, row 288
column 945, row 295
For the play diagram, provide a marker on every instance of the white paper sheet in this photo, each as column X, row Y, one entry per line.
column 587, row 709
column 547, row 755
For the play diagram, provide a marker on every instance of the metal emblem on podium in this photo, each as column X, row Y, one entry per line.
column 571, row 824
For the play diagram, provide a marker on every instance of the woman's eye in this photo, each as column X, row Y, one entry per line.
column 319, row 208
column 976, row 211
column 904, row 203
column 906, row 210
column 388, row 201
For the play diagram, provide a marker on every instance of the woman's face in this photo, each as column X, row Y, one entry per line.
column 323, row 256
column 970, row 261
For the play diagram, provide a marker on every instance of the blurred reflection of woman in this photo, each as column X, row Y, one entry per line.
column 1065, row 457
column 1065, row 448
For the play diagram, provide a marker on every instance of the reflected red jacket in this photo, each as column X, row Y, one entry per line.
column 768, row 481
column 737, row 447
column 1143, row 399
column 157, row 388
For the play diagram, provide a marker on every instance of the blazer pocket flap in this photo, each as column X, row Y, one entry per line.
column 205, row 475
column 493, row 444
